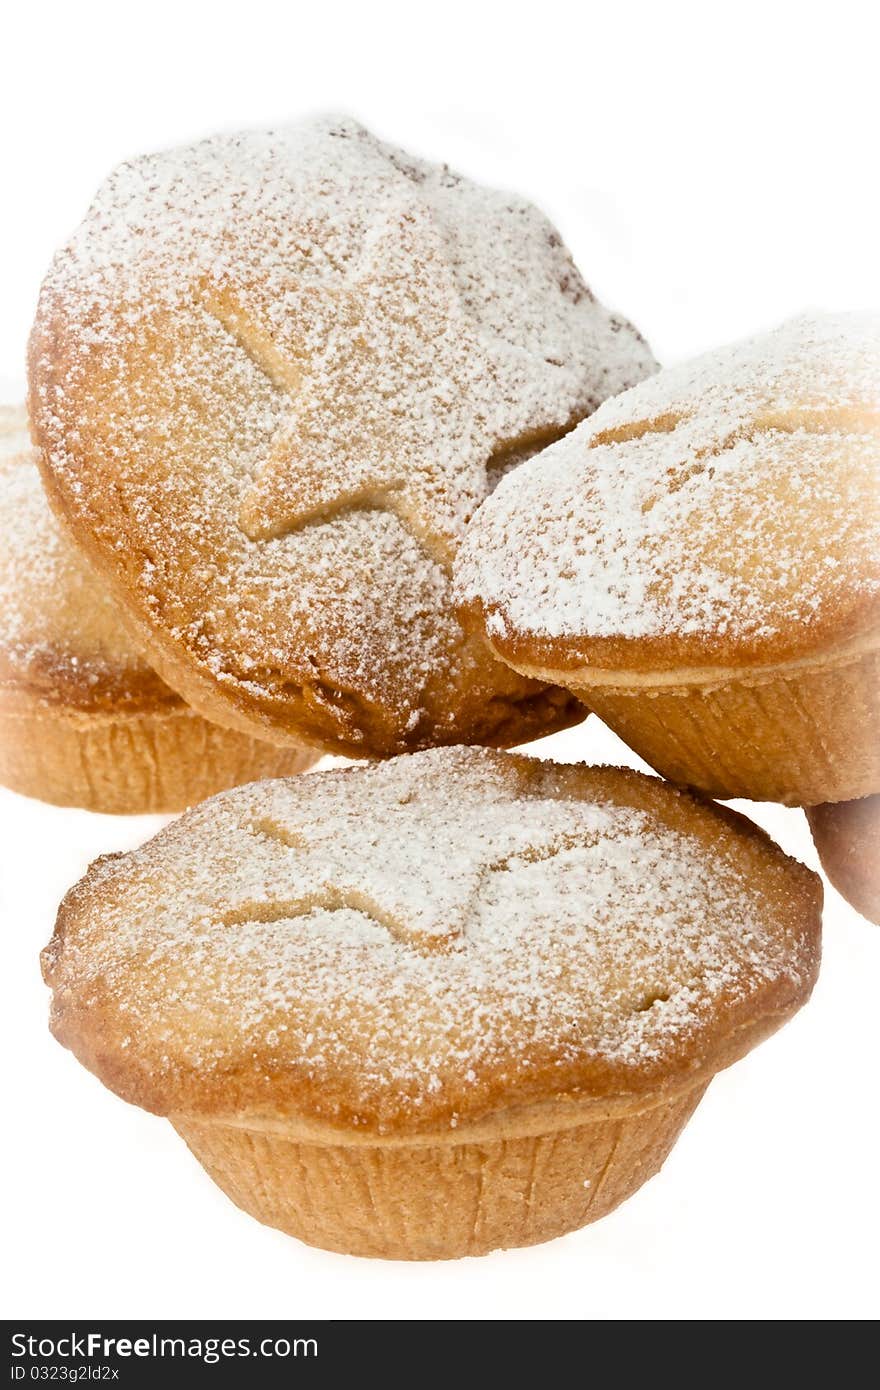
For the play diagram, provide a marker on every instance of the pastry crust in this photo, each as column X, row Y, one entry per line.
column 268, row 427
column 379, row 885
column 699, row 562
column 449, row 961
column 444, row 1200
column 84, row 720
column 794, row 734
column 132, row 762
column 847, row 837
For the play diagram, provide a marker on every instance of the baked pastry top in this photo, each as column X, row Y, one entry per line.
column 273, row 374
column 62, row 637
column 724, row 512
column 396, row 947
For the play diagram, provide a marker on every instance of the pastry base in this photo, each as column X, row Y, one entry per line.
column 130, row 763
column 799, row 736
column 440, row 1199
column 847, row 838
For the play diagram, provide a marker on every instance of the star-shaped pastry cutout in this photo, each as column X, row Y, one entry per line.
column 381, row 365
column 416, row 874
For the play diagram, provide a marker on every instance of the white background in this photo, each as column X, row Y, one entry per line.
column 714, row 169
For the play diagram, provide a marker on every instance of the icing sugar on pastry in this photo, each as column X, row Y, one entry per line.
column 59, row 630
column 355, row 943
column 274, row 374
column 84, row 719
column 734, row 497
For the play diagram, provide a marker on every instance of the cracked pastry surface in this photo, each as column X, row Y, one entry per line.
column 273, row 375
column 417, row 944
column 725, row 513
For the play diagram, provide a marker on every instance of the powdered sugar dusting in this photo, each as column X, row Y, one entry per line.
column 816, row 368
column 54, row 615
column 388, row 931
column 736, row 495
column 308, row 352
